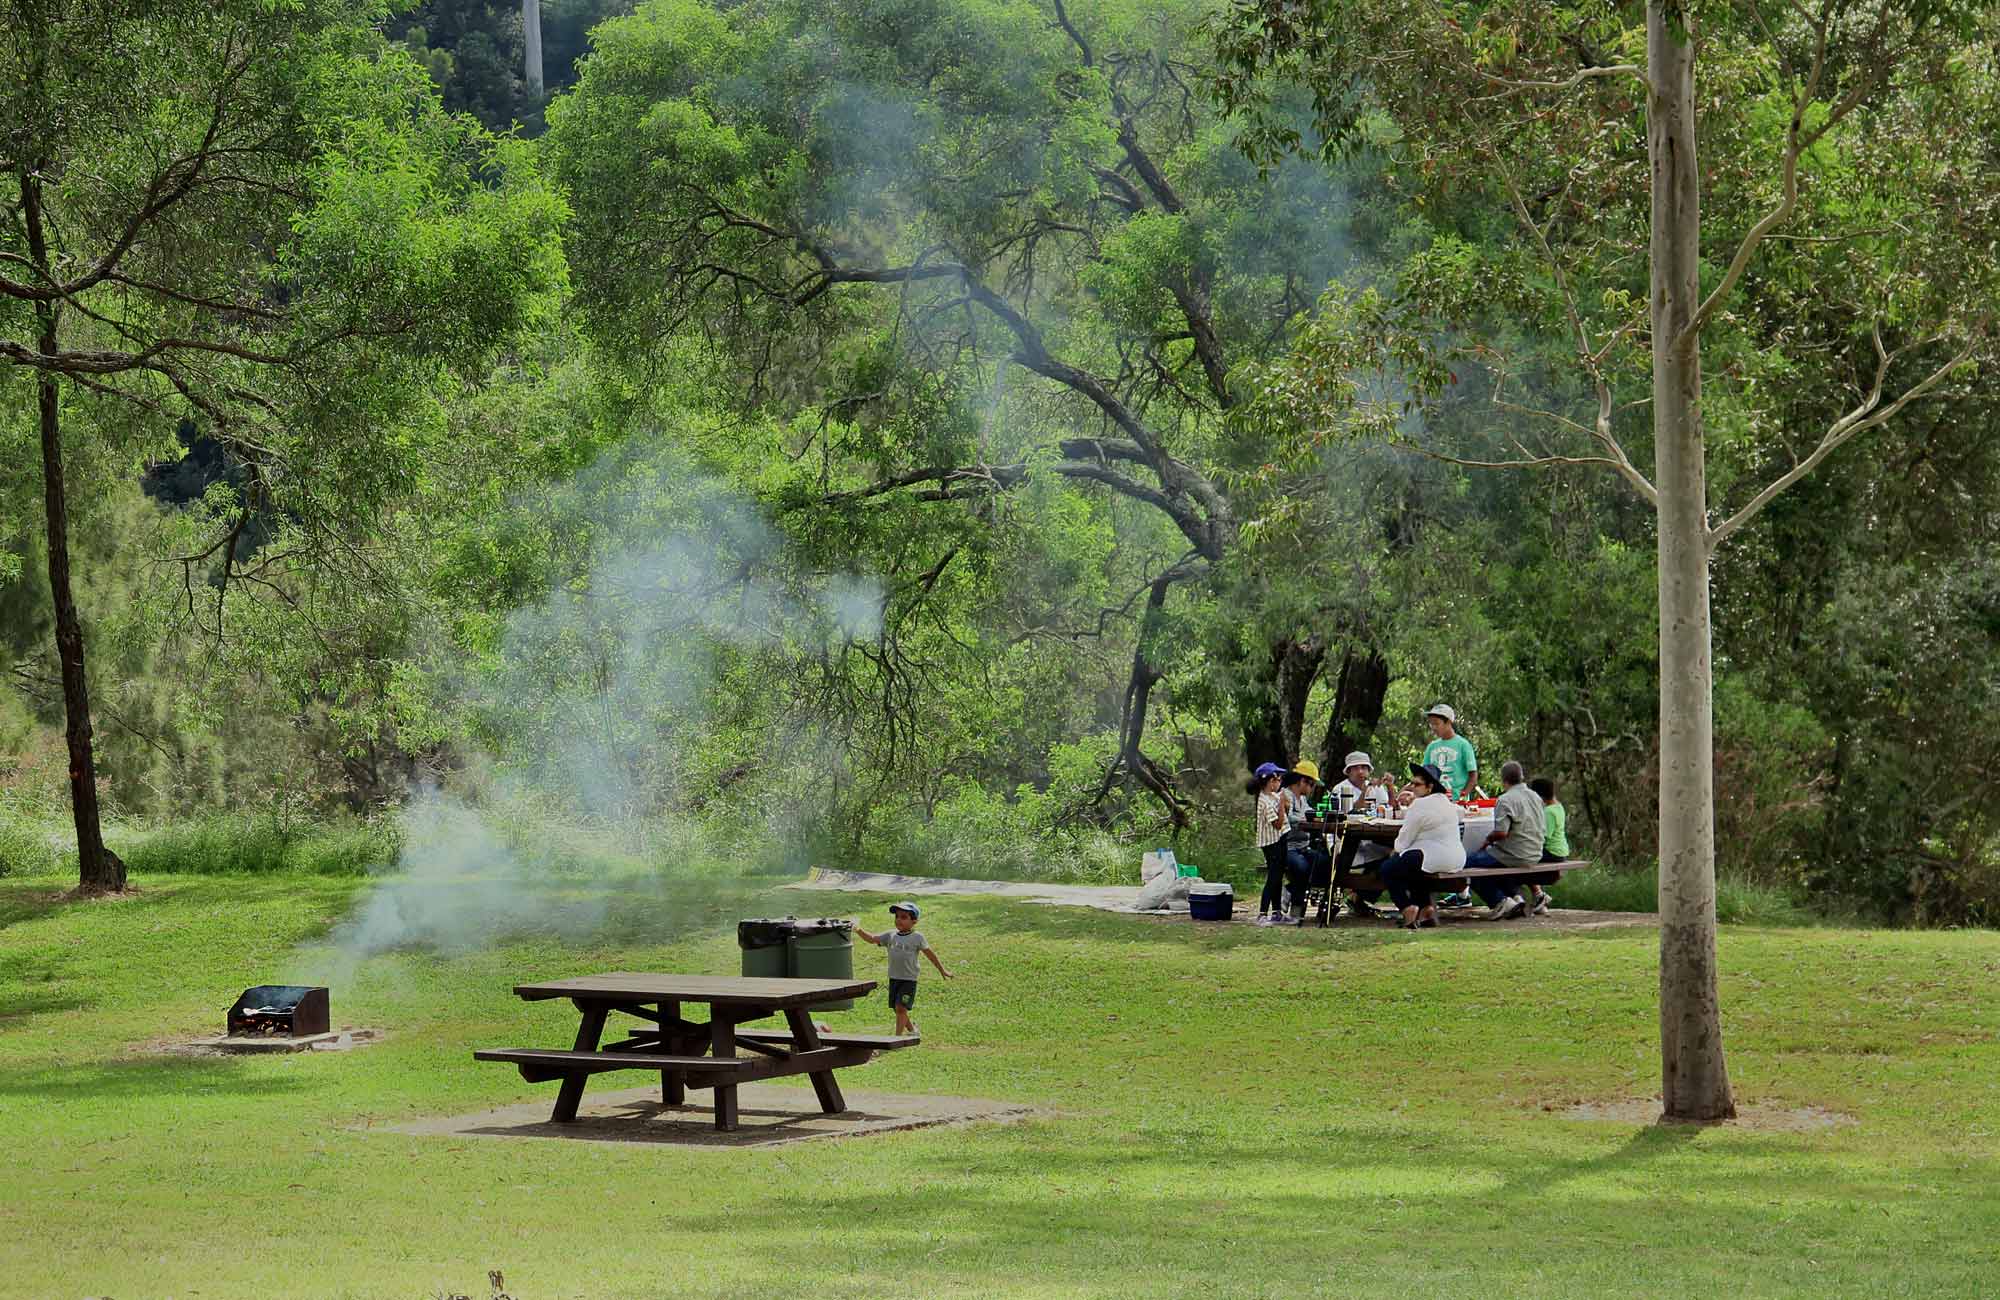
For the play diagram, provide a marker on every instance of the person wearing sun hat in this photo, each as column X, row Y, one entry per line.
column 1359, row 789
column 1306, row 862
column 1450, row 753
column 1428, row 846
column 904, row 944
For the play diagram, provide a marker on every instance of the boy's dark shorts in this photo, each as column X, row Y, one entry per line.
column 903, row 993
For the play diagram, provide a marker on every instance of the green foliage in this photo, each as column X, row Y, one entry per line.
column 1739, row 899
column 219, row 845
column 26, row 848
column 754, row 506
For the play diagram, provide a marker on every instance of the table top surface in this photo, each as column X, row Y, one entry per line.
column 726, row 990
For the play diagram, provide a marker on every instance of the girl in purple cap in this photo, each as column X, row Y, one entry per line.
column 1264, row 784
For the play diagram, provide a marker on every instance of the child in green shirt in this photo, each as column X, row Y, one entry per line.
column 1555, row 837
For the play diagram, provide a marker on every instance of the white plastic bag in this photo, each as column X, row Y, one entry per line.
column 1156, row 863
column 1162, row 890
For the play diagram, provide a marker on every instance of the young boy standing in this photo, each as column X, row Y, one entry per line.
column 1451, row 754
column 904, row 943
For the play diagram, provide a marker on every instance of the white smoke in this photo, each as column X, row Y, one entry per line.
column 596, row 711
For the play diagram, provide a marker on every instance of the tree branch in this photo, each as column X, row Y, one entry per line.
column 1513, row 87
column 1867, row 415
column 1797, row 141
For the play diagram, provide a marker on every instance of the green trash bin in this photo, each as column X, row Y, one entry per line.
column 823, row 950
column 765, row 943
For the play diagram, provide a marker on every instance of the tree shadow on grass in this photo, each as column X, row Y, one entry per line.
column 17, row 1002
column 22, row 901
column 143, row 1078
column 1050, row 1209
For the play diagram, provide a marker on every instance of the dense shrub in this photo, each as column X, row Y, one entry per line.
column 25, row 847
column 1739, row 899
column 225, row 845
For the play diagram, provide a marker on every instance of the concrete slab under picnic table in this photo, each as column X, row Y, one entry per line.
column 1120, row 898
column 769, row 1114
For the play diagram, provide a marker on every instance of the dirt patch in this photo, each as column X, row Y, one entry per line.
column 80, row 895
column 345, row 1039
column 768, row 1114
column 1644, row 1111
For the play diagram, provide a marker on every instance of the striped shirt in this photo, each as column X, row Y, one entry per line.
column 1267, row 812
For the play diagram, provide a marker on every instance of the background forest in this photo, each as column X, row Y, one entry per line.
column 873, row 434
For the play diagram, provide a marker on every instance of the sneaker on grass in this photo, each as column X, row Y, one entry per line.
column 1505, row 908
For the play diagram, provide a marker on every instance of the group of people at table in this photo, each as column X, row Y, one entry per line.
column 1435, row 836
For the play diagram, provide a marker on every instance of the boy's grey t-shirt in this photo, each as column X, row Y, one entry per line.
column 903, row 951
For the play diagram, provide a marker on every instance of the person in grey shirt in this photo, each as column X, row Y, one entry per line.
column 1519, row 828
column 904, row 943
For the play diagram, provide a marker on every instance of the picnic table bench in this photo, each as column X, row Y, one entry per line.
column 692, row 1054
column 1383, row 831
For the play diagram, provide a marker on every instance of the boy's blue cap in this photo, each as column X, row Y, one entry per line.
column 906, row 906
column 1267, row 769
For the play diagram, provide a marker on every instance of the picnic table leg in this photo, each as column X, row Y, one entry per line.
column 1332, row 876
column 722, row 1044
column 587, row 1036
column 673, row 1083
column 807, row 1039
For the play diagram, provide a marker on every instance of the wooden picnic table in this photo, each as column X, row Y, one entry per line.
column 1383, row 830
column 695, row 1054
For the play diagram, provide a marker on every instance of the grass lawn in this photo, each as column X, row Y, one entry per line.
column 1250, row 1113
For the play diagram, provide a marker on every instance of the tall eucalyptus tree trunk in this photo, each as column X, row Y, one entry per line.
column 531, row 40
column 1695, row 1079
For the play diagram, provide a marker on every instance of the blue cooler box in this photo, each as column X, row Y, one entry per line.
column 1211, row 902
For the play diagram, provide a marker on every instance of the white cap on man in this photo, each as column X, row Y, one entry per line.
column 1443, row 711
column 1358, row 759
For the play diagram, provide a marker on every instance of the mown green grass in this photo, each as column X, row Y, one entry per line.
column 1224, row 1113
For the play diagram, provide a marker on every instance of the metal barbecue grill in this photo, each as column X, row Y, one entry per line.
column 280, row 1011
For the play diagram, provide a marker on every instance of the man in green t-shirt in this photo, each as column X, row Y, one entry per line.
column 1451, row 754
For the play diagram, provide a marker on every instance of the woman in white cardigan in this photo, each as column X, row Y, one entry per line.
column 1429, row 845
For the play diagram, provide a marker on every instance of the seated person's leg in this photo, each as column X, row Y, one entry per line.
column 1398, row 875
column 1320, row 874
column 1490, row 889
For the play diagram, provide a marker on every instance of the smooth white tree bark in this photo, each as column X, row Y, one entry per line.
column 1695, row 1078
column 531, row 32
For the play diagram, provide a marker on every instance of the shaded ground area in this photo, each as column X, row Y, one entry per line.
column 771, row 1115
column 1120, row 898
column 1760, row 1119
